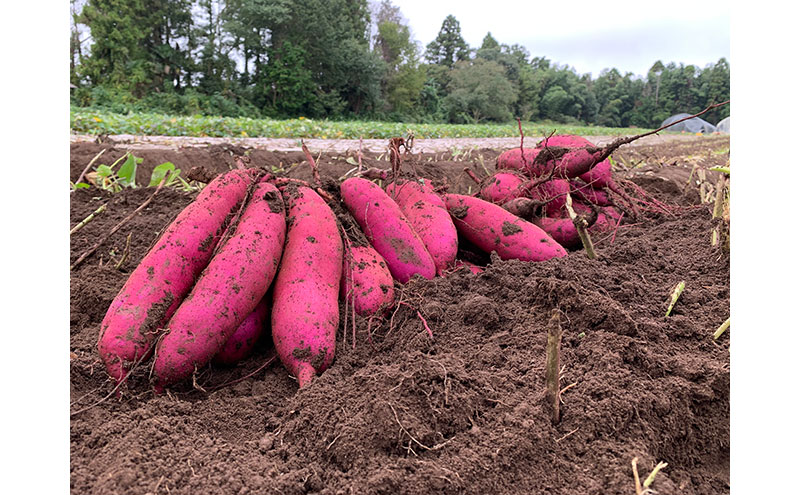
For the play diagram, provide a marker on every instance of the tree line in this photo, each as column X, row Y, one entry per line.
column 350, row 59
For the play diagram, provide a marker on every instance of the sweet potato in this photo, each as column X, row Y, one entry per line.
column 599, row 176
column 502, row 187
column 165, row 275
column 553, row 193
column 228, row 290
column 244, row 339
column 562, row 230
column 366, row 281
column 305, row 308
column 567, row 162
column 513, row 159
column 524, row 208
column 428, row 216
column 607, row 220
column 387, row 229
column 564, row 141
column 589, row 194
column 492, row 228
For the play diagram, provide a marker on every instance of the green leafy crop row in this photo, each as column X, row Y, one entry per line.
column 90, row 121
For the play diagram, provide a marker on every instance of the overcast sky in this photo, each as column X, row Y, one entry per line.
column 587, row 36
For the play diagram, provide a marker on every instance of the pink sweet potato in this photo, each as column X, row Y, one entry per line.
column 366, row 281
column 387, row 229
column 502, row 187
column 568, row 162
column 228, row 290
column 513, row 159
column 428, row 216
column 305, row 302
column 492, row 228
column 562, row 230
column 564, row 141
column 524, row 208
column 244, row 339
column 553, row 193
column 598, row 176
column 607, row 220
column 585, row 192
column 166, row 274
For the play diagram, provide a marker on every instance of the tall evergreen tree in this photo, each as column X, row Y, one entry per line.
column 449, row 46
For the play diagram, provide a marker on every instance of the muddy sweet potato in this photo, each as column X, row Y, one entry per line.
column 492, row 228
column 514, row 159
column 387, row 229
column 502, row 187
column 305, row 307
column 165, row 275
column 244, row 339
column 428, row 216
column 366, row 281
column 229, row 289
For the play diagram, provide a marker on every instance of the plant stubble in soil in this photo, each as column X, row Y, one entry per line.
column 462, row 413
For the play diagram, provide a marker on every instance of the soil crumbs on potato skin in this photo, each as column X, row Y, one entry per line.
column 463, row 412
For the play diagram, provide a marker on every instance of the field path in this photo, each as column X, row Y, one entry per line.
column 343, row 145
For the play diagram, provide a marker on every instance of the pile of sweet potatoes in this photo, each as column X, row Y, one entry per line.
column 534, row 183
column 255, row 254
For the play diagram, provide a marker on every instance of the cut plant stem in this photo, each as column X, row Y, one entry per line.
column 88, row 219
column 581, row 226
column 719, row 209
column 552, row 365
column 636, row 476
column 652, row 476
column 676, row 293
column 722, row 328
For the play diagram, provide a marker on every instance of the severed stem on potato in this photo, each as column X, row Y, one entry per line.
column 652, row 476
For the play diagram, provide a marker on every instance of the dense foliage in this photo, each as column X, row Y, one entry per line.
column 346, row 59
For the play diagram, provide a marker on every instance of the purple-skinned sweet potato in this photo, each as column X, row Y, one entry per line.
column 428, row 216
column 305, row 301
column 387, row 229
column 492, row 228
column 502, row 187
column 229, row 289
column 514, row 159
column 164, row 277
column 244, row 339
column 366, row 281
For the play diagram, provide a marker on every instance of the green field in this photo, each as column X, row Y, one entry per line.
column 88, row 121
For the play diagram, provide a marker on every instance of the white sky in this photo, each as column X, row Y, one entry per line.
column 587, row 36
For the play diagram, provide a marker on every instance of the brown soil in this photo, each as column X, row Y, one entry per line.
column 402, row 413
